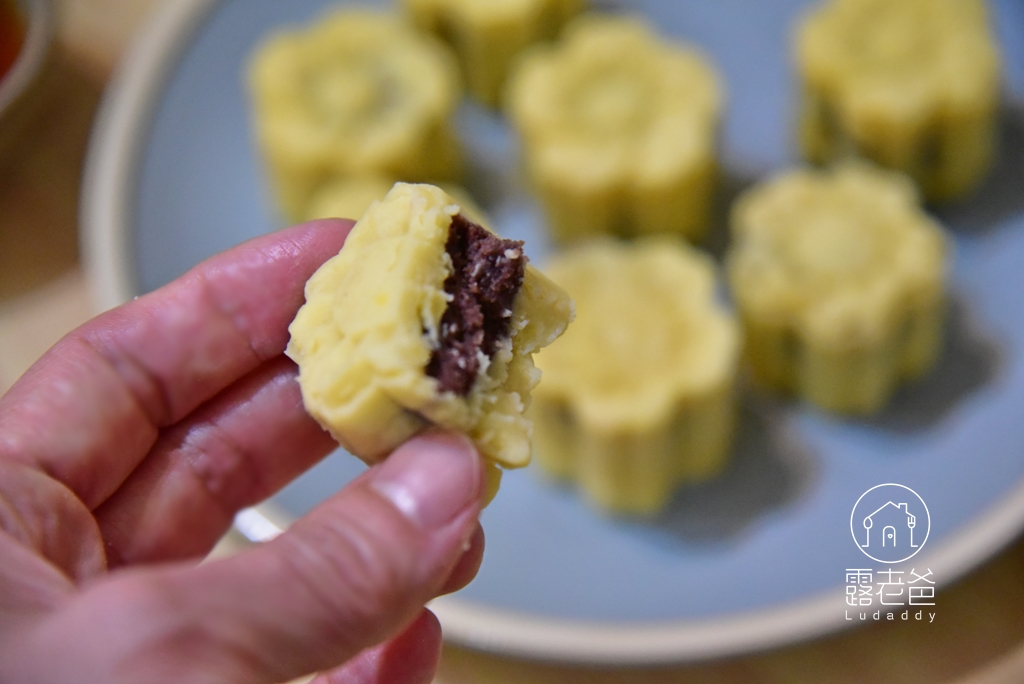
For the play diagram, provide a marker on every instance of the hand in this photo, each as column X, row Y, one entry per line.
column 125, row 453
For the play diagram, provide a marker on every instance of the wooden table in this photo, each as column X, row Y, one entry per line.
column 977, row 638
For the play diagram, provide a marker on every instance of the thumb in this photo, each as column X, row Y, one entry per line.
column 354, row 572
column 357, row 569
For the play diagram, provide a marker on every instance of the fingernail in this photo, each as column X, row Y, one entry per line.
column 431, row 478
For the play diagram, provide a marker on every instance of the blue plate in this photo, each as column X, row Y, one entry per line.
column 755, row 558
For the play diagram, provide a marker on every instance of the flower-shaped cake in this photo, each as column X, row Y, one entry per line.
column 618, row 129
column 637, row 396
column 488, row 35
column 912, row 85
column 358, row 93
column 839, row 278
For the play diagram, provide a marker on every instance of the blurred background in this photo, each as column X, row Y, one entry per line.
column 979, row 638
column 43, row 140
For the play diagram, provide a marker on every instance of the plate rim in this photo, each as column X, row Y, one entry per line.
column 40, row 22
column 510, row 632
column 124, row 119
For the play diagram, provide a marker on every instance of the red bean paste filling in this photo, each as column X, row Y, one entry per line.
column 487, row 273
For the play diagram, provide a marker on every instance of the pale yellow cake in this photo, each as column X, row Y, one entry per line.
column 374, row 329
column 618, row 129
column 488, row 35
column 839, row 279
column 346, row 197
column 912, row 85
column 358, row 93
column 351, row 197
column 638, row 394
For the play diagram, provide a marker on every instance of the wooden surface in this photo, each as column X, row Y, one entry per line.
column 978, row 635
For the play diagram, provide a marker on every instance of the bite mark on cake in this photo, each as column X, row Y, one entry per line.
column 487, row 274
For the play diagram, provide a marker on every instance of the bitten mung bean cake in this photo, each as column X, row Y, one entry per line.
column 425, row 318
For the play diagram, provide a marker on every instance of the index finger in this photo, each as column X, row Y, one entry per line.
column 91, row 408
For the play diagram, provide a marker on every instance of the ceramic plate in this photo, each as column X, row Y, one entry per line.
column 759, row 556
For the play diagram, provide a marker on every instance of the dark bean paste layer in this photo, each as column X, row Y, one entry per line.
column 487, row 273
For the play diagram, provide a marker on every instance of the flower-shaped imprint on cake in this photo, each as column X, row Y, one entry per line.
column 912, row 85
column 637, row 396
column 488, row 35
column 358, row 93
column 839, row 279
column 425, row 318
column 618, row 130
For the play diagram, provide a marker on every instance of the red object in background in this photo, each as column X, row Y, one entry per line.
column 12, row 35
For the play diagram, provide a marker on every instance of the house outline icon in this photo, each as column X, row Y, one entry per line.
column 889, row 532
column 910, row 531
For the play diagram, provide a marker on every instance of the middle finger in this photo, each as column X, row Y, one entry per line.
column 233, row 452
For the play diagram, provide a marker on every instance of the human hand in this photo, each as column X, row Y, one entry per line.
column 125, row 453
